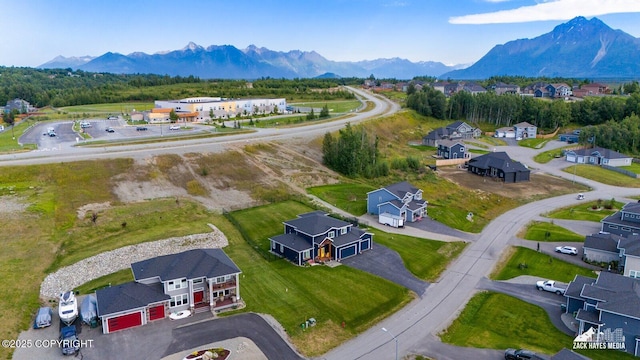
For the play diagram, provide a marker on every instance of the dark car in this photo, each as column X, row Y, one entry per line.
column 69, row 343
column 521, row 354
column 110, row 129
column 141, row 128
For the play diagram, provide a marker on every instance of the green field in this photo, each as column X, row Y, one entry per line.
column 7, row 141
column 544, row 231
column 546, row 156
column 603, row 176
column 351, row 198
column 335, row 106
column 114, row 108
column 537, row 143
column 498, row 321
column 634, row 167
column 525, row 261
column 586, row 211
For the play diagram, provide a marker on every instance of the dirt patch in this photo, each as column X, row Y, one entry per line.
column 540, row 184
column 12, row 205
column 98, row 207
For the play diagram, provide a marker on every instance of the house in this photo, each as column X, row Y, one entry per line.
column 501, row 88
column 473, row 88
column 453, row 131
column 601, row 248
column 500, row 166
column 625, row 222
column 316, row 236
column 21, row 106
column 452, row 149
column 561, row 90
column 630, row 255
column 400, row 199
column 570, row 138
column 610, row 304
column 191, row 280
column 598, row 156
column 524, row 130
column 541, row 93
column 595, row 89
column 505, row 132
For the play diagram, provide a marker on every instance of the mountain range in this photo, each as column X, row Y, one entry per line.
column 579, row 48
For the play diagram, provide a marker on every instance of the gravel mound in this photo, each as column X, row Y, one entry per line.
column 72, row 276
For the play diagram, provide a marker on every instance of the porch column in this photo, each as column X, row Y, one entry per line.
column 191, row 300
column 210, row 293
column 238, row 287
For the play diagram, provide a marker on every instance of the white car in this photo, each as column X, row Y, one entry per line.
column 567, row 250
column 174, row 127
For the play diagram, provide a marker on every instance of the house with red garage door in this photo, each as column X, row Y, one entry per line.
column 199, row 279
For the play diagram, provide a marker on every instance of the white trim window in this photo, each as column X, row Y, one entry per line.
column 331, row 234
column 198, row 281
column 634, row 274
column 343, row 230
column 176, row 284
column 179, row 300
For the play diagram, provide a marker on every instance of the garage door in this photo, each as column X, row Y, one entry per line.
column 348, row 251
column 364, row 245
column 156, row 312
column 125, row 321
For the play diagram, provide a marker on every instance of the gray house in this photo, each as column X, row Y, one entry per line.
column 601, row 248
column 452, row 149
column 500, row 166
column 524, row 130
column 598, row 156
column 454, row 131
column 625, row 222
column 610, row 304
column 199, row 279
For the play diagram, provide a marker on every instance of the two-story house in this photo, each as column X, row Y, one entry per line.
column 401, row 200
column 625, row 222
column 452, row 149
column 454, row 131
column 318, row 237
column 610, row 304
column 193, row 280
column 561, row 90
column 524, row 130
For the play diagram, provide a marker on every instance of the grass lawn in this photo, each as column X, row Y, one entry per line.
column 116, row 278
column 497, row 321
column 115, row 108
column 585, row 211
column 523, row 261
column 634, row 167
column 7, row 141
column 335, row 106
column 602, row 175
column 546, row 156
column 544, row 231
column 537, row 143
column 424, row 258
column 293, row 294
column 349, row 197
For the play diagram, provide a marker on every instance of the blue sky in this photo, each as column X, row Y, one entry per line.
column 450, row 31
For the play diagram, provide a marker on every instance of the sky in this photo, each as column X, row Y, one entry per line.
column 33, row 32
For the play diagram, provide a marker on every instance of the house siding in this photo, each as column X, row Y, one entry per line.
column 376, row 197
column 600, row 255
column 631, row 263
column 630, row 328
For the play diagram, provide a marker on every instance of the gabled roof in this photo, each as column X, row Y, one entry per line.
column 601, row 152
column 630, row 245
column 293, row 241
column 615, row 294
column 632, row 207
column 523, row 125
column 617, row 220
column 437, row 134
column 575, row 287
column 456, row 124
column 128, row 296
column 602, row 242
column 450, row 143
column 189, row 264
column 316, row 223
column 497, row 160
column 401, row 189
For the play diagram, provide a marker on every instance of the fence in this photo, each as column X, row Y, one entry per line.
column 621, row 171
column 445, row 162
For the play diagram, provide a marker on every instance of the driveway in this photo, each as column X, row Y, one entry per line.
column 387, row 264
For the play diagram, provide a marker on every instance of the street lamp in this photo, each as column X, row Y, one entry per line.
column 394, row 338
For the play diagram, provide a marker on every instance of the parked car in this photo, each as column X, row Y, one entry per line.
column 580, row 196
column 518, row 354
column 69, row 343
column 110, row 129
column 85, row 124
column 567, row 250
column 141, row 128
column 551, row 286
column 68, row 307
column 174, row 127
column 43, row 318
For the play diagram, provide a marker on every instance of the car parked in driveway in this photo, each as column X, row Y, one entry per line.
column 551, row 286
column 69, row 343
column 521, row 354
column 570, row 250
column 43, row 318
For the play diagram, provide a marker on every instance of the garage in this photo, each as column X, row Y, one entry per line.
column 365, row 245
column 348, row 251
column 125, row 321
column 156, row 312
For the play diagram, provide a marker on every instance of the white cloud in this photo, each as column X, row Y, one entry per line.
column 551, row 10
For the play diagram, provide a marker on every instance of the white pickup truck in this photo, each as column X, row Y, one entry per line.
column 550, row 285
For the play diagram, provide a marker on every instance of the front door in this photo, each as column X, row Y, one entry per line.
column 198, row 296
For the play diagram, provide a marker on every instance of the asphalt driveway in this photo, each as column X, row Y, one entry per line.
column 387, row 264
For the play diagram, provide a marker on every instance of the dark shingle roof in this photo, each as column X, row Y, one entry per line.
column 615, row 293
column 189, row 264
column 498, row 160
column 401, row 189
column 575, row 287
column 128, row 296
column 616, row 219
column 631, row 245
column 316, row 223
column 603, row 242
column 437, row 134
column 450, row 143
column 602, row 152
column 588, row 316
column 293, row 241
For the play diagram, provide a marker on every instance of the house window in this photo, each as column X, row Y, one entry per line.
column 197, row 281
column 634, row 273
column 176, row 284
column 332, row 234
column 306, row 255
column 220, row 280
column 613, row 226
column 343, row 231
column 178, row 300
